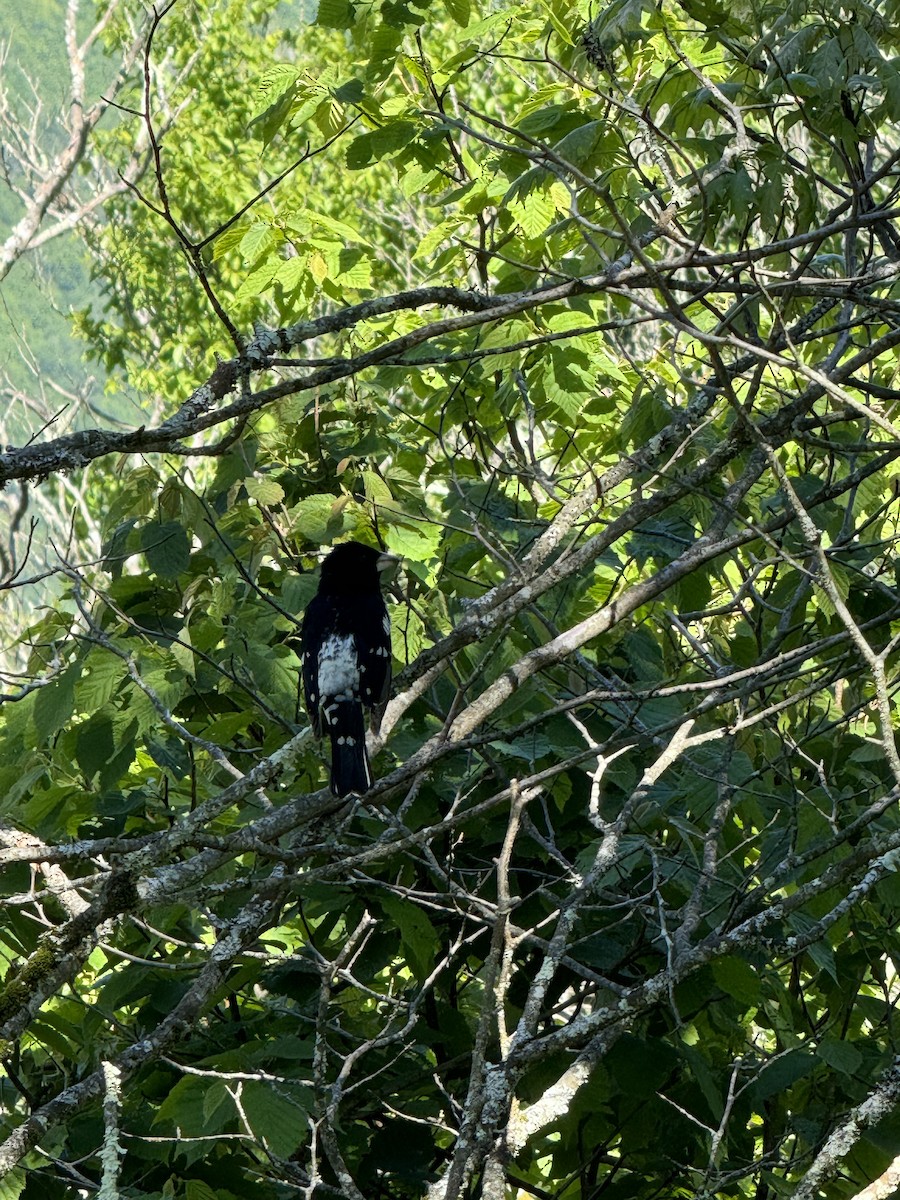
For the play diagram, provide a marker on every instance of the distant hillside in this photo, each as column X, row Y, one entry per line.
column 43, row 288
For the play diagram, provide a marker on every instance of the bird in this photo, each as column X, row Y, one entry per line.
column 345, row 646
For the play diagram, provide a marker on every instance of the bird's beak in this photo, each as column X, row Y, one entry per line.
column 386, row 563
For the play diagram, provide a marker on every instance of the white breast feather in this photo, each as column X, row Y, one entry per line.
column 338, row 667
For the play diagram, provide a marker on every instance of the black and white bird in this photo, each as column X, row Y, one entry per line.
column 346, row 652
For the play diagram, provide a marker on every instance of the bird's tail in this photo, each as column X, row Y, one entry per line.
column 350, row 770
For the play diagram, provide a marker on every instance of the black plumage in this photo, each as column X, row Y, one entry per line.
column 346, row 652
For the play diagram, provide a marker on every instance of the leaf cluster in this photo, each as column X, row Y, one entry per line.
column 591, row 319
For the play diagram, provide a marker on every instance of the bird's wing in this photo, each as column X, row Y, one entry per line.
column 315, row 628
column 373, row 644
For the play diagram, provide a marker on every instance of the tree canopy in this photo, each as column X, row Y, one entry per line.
column 591, row 317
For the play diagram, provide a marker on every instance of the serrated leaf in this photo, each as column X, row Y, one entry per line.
column 277, row 92
column 345, row 232
column 291, row 272
column 784, row 1070
column 264, row 490
column 103, row 672
column 842, row 1056
column 560, row 196
column 106, row 747
column 377, row 491
column 558, row 20
column 257, row 281
column 214, row 1097
column 565, row 380
column 55, row 703
column 166, row 547
column 566, row 320
column 170, row 754
column 359, row 152
column 12, row 1184
column 539, row 99
column 355, row 269
column 435, row 237
column 418, row 543
column 277, row 1119
column 274, row 82
column 534, row 213
column 184, row 1109
column 618, row 22
column 23, row 778
column 258, row 239
column 383, row 45
column 318, row 518
column 228, row 241
column 297, row 591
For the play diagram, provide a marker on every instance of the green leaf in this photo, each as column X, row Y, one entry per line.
column 407, row 633
column 55, row 703
column 228, row 241
column 435, row 237
column 166, row 547
column 318, row 518
column 20, row 780
column 417, row 542
column 257, row 281
column 383, row 46
column 560, row 18
column 277, row 1119
column 377, row 491
column 354, row 269
column 215, row 1097
column 258, row 240
column 418, row 935
column 184, row 1109
column 12, row 1184
column 265, row 490
column 317, row 266
column 618, row 23
column 782, row 1071
column 291, row 272
column 196, row 1189
column 842, row 1056
column 335, row 14
column 277, row 89
column 459, row 10
column 170, row 753
column 342, row 229
column 94, row 744
column 297, row 591
column 103, row 672
column 105, row 746
column 566, row 380
column 534, row 213
column 738, row 979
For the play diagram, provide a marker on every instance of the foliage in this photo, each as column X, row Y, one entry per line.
column 592, row 318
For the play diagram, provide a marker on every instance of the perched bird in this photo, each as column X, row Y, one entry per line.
column 346, row 652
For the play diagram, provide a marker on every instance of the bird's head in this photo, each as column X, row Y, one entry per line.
column 353, row 567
